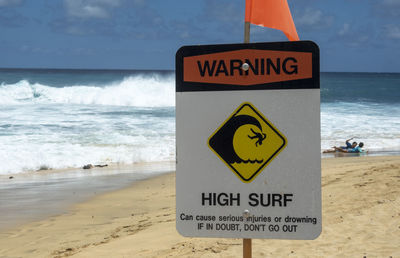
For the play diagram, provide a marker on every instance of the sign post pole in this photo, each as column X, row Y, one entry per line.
column 247, row 252
column 247, row 248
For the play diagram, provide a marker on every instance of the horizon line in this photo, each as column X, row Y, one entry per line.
column 148, row 70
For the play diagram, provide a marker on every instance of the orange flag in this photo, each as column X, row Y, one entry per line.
column 273, row 14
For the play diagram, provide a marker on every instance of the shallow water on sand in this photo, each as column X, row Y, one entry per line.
column 32, row 196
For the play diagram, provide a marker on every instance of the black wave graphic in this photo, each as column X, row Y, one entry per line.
column 222, row 141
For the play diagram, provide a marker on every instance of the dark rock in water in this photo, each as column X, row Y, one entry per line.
column 43, row 167
column 101, row 166
column 88, row 166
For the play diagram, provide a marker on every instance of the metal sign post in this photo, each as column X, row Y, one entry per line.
column 247, row 252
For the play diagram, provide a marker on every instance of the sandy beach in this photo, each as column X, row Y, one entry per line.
column 361, row 218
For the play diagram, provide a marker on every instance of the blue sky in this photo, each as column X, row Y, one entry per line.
column 353, row 35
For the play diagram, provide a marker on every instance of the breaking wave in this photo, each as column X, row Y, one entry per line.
column 136, row 91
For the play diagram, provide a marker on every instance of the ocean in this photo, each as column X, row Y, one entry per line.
column 55, row 119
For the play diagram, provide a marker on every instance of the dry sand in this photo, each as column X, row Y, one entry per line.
column 361, row 217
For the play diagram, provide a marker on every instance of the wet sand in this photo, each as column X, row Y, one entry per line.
column 361, row 214
column 36, row 195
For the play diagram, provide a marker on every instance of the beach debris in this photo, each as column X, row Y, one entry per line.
column 64, row 252
column 89, row 166
column 43, row 167
column 11, row 177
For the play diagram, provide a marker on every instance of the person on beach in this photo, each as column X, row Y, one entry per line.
column 357, row 149
column 347, row 147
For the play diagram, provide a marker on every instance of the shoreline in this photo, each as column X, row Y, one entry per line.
column 146, row 166
column 37, row 195
column 363, row 154
column 161, row 164
column 361, row 211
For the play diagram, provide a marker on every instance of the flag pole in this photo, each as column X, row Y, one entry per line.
column 246, row 32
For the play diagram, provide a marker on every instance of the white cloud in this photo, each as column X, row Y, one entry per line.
column 310, row 17
column 354, row 36
column 139, row 2
column 388, row 8
column 90, row 8
column 392, row 31
column 9, row 2
column 344, row 30
column 313, row 19
column 75, row 30
column 391, row 2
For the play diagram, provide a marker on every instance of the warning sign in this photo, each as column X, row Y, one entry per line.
column 246, row 142
column 248, row 162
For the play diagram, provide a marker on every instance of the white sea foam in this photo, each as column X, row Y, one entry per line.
column 39, row 145
column 377, row 125
column 125, row 122
column 133, row 120
column 35, row 156
column 136, row 91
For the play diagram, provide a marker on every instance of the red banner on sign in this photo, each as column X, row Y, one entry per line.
column 264, row 66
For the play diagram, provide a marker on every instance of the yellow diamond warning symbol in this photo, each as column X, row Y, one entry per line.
column 247, row 142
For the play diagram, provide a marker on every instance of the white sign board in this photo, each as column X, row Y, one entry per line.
column 248, row 141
